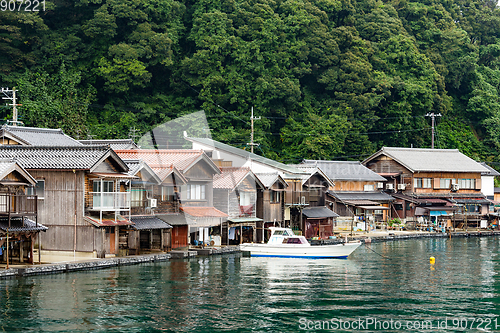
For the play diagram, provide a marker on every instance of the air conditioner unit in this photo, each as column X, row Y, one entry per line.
column 455, row 187
column 303, row 200
column 402, row 187
column 152, row 203
column 389, row 186
column 380, row 185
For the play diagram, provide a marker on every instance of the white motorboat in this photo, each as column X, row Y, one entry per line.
column 284, row 243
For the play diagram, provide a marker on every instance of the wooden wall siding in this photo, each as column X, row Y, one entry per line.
column 61, row 238
column 58, row 205
column 221, row 200
column 107, row 167
column 200, row 171
column 437, row 176
column 7, row 141
column 14, row 176
column 384, row 164
column 350, row 185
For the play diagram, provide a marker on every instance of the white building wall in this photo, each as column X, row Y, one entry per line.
column 488, row 185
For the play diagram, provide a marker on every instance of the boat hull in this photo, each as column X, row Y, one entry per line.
column 339, row 251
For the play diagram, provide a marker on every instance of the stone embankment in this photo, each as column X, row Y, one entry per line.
column 65, row 267
column 386, row 237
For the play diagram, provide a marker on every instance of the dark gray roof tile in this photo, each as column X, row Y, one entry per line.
column 34, row 136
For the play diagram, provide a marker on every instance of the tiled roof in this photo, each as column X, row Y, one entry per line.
column 356, row 195
column 175, row 219
column 148, row 223
column 76, row 157
column 182, row 159
column 115, row 144
column 345, row 170
column 230, row 177
column 243, row 153
column 203, row 212
column 8, row 165
column 269, row 179
column 432, row 160
column 490, row 172
column 33, row 136
column 138, row 165
column 318, row 212
column 16, row 225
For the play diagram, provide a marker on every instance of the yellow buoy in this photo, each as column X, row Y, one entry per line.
column 432, row 260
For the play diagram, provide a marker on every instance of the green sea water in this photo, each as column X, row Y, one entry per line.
column 395, row 288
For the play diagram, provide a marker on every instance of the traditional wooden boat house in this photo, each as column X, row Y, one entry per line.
column 196, row 213
column 150, row 195
column 357, row 192
column 19, row 226
column 81, row 195
column 432, row 184
column 271, row 200
column 236, row 191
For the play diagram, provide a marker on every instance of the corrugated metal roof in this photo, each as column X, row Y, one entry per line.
column 318, row 212
column 243, row 153
column 350, row 196
column 34, row 136
column 16, row 225
column 115, row 144
column 432, row 160
column 345, row 170
column 39, row 157
column 148, row 223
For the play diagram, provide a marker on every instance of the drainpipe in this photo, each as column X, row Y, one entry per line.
column 74, row 243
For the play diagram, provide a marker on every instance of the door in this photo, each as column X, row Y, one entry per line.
column 112, row 240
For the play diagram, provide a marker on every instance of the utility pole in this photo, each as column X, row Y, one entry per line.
column 432, row 115
column 251, row 144
column 6, row 92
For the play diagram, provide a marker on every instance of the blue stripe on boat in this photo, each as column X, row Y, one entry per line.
column 304, row 257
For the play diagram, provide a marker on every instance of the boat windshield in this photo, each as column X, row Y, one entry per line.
column 292, row 240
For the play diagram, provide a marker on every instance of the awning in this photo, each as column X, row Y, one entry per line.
column 437, row 213
column 203, row 212
column 17, row 225
column 148, row 223
column 424, row 210
column 107, row 221
column 361, row 202
column 472, row 201
column 244, row 219
column 318, row 212
column 373, row 207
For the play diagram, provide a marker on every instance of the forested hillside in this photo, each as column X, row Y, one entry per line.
column 329, row 78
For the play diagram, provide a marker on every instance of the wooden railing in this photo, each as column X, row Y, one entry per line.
column 18, row 204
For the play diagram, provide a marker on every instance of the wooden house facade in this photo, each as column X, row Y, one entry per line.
column 81, row 196
column 432, row 184
column 186, row 192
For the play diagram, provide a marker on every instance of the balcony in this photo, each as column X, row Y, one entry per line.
column 18, row 205
column 110, row 201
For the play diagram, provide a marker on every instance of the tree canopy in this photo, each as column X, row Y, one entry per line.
column 329, row 78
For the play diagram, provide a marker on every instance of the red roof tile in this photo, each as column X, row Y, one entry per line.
column 162, row 158
column 230, row 177
column 204, row 212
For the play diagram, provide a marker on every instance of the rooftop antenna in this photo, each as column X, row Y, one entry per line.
column 10, row 94
column 252, row 144
column 433, row 115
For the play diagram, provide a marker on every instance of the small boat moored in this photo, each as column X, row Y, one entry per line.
column 285, row 244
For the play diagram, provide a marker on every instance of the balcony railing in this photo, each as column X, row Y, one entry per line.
column 110, row 201
column 18, row 204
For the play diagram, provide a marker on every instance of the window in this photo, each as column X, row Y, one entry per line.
column 467, row 183
column 275, row 196
column 445, row 183
column 369, row 187
column 245, row 198
column 107, row 186
column 136, row 197
column 196, row 192
column 422, row 182
column 39, row 189
column 167, row 193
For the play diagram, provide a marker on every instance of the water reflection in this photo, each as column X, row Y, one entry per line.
column 263, row 294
